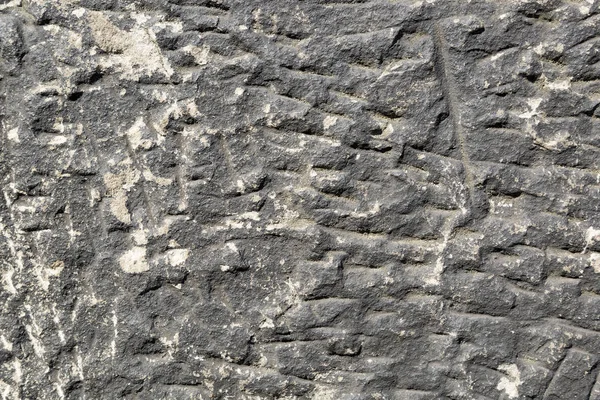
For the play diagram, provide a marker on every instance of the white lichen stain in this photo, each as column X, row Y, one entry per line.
column 434, row 278
column 117, row 186
column 387, row 131
column 45, row 273
column 118, row 206
column 595, row 262
column 539, row 49
column 18, row 372
column 59, row 125
column 232, row 247
column 200, row 54
column 173, row 26
column 533, row 105
column 559, row 85
column 499, row 205
column 240, row 186
column 160, row 120
column 150, row 177
column 585, row 10
column 329, row 142
column 253, row 215
column 79, row 12
column 262, row 360
column 58, row 140
column 139, row 237
column 94, row 196
column 324, row 393
column 134, row 52
column 17, row 255
column 7, row 279
column 113, row 343
column 13, row 135
column 59, row 390
column 133, row 261
column 140, row 18
column 557, row 142
column 510, row 384
column 329, row 121
column 177, row 257
column 592, row 235
column 56, row 320
column 77, row 366
column 501, row 54
column 163, row 229
column 376, row 207
column 171, row 344
column 13, row 3
column 135, row 135
column 267, row 324
column 5, row 388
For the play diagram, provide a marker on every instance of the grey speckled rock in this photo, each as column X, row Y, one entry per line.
column 250, row 199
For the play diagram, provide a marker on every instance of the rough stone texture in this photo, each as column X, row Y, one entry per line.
column 259, row 199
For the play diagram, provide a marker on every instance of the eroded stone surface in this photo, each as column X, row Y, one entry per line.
column 368, row 199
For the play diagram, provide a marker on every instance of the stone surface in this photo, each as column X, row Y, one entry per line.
column 249, row 199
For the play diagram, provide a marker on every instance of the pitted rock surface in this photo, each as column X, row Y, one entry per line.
column 251, row 199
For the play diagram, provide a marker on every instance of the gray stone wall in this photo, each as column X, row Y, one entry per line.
column 318, row 199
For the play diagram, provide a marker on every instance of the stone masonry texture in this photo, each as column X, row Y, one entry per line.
column 318, row 199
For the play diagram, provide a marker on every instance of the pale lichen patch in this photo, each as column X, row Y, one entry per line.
column 559, row 84
column 267, row 324
column 177, row 257
column 510, row 384
column 329, row 121
column 58, row 140
column 557, row 142
column 123, row 181
column 45, row 273
column 106, row 35
column 5, row 343
column 13, row 135
column 149, row 176
column 8, row 282
column 78, row 12
column 595, row 262
column 134, row 52
column 118, row 206
column 133, row 261
column 117, row 186
column 533, row 104
column 163, row 228
column 200, row 54
column 592, row 235
column 13, row 3
column 135, row 134
column 139, row 237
